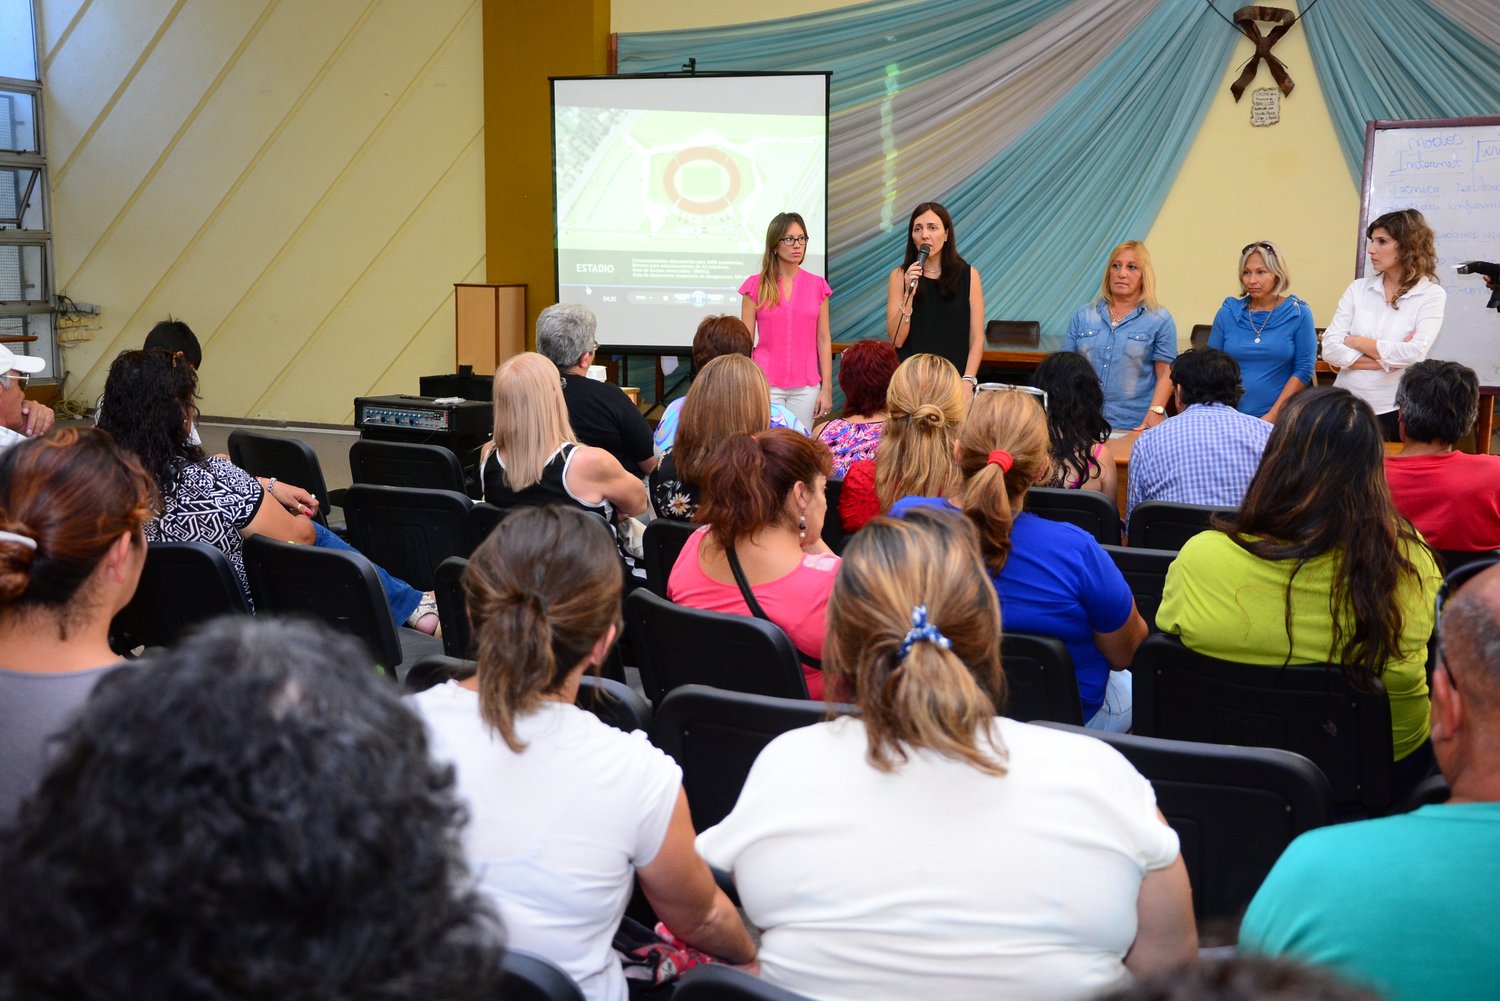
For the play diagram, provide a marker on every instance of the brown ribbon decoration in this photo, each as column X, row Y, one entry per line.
column 1245, row 19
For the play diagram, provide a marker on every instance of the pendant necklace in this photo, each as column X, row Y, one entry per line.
column 1250, row 315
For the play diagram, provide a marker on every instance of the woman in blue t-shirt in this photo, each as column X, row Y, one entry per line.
column 1052, row 578
column 1268, row 332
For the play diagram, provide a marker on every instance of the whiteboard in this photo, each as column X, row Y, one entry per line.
column 1449, row 170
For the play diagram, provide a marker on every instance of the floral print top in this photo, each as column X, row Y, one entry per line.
column 850, row 443
column 670, row 497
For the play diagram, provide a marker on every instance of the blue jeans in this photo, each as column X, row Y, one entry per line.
column 1117, row 713
column 403, row 598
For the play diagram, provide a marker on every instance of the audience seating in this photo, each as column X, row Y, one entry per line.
column 407, row 530
column 435, row 669
column 483, row 517
column 1199, row 337
column 532, row 978
column 181, row 585
column 1145, row 571
column 1040, row 680
column 1454, row 559
column 1307, row 708
column 453, row 612
column 614, row 702
column 1165, row 525
column 405, row 464
column 676, row 645
column 1090, row 510
column 715, row 736
column 834, row 536
column 713, row 982
column 1235, row 809
column 289, row 459
column 335, row 586
column 662, row 541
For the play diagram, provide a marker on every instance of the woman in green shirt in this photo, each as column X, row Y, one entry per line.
column 1317, row 567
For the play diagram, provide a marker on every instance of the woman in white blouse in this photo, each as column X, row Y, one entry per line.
column 1388, row 320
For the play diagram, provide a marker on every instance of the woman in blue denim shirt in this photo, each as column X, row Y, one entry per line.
column 1129, row 339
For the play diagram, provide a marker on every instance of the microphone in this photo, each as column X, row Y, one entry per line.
column 922, row 253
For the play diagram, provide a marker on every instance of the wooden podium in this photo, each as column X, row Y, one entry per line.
column 490, row 324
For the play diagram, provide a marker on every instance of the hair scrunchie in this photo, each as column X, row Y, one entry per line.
column 1000, row 457
column 19, row 539
column 921, row 630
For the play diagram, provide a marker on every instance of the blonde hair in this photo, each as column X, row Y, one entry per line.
column 1148, row 273
column 936, row 699
column 768, row 293
column 1274, row 264
column 1013, row 422
column 531, row 417
column 729, row 397
column 926, row 405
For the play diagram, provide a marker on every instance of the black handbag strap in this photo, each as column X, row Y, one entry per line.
column 760, row 613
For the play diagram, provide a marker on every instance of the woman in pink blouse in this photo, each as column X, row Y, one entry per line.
column 786, row 308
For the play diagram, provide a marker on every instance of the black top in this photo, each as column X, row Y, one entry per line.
column 939, row 326
column 603, row 416
column 670, row 496
column 552, row 488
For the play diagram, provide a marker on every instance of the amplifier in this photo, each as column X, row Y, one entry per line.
column 420, row 416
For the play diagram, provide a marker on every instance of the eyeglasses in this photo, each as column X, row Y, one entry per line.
column 22, row 379
column 1258, row 243
column 1451, row 585
column 1006, row 387
column 794, row 241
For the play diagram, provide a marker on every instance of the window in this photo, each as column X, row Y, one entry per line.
column 27, row 295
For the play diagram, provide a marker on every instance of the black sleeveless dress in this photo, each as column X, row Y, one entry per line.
column 552, row 488
column 939, row 326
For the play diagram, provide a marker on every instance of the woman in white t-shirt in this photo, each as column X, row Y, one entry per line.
column 565, row 811
column 927, row 847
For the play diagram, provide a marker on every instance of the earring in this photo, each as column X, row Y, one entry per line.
column 802, row 527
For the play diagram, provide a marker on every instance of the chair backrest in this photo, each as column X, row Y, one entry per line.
column 1234, row 809
column 614, row 702
column 407, row 530
column 715, row 736
column 834, row 536
column 289, row 459
column 406, row 464
column 1306, row 708
column 1013, row 333
column 677, row 645
column 660, row 544
column 333, row 585
column 532, row 978
column 433, row 670
column 181, row 585
column 1039, row 679
column 483, row 517
column 1453, row 559
column 1167, row 525
column 1090, row 510
column 1145, row 572
column 1199, row 335
column 716, row 982
column 453, row 611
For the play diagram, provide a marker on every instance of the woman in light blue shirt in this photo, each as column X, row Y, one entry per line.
column 1268, row 332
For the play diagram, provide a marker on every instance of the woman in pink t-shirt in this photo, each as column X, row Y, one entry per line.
column 786, row 308
column 762, row 502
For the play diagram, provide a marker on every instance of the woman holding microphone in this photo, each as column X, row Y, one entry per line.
column 934, row 303
column 786, row 309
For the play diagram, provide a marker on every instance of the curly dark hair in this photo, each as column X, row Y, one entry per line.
column 1075, row 415
column 148, row 407
column 250, row 815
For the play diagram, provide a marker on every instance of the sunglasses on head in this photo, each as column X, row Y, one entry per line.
column 1006, row 387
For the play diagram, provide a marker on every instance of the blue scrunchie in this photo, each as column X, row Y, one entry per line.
column 921, row 630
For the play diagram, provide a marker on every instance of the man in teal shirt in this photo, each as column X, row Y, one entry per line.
column 1408, row 904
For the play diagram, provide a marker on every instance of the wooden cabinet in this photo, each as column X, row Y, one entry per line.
column 490, row 324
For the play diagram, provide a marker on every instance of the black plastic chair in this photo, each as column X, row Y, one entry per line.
column 1040, row 680
column 614, row 702
column 660, row 544
column 677, row 645
column 532, row 978
column 1167, row 525
column 435, row 669
column 1199, row 336
column 335, row 586
column 714, row 982
column 715, row 736
column 1145, row 571
column 453, row 612
column 483, row 517
column 406, row 464
column 1307, row 708
column 833, row 535
column 407, row 530
column 1234, row 809
column 1090, row 510
column 181, row 585
column 289, row 459
column 1454, row 559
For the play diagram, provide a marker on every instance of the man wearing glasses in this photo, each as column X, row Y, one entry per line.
column 20, row 418
column 1407, row 903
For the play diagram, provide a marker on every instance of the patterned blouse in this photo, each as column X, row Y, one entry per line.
column 670, row 497
column 212, row 502
column 850, row 442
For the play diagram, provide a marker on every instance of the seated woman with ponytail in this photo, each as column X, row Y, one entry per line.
column 762, row 551
column 926, row 848
column 71, row 550
column 565, row 811
column 1053, row 579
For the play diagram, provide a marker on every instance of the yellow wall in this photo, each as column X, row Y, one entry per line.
column 566, row 38
column 1285, row 183
column 674, row 15
column 302, row 181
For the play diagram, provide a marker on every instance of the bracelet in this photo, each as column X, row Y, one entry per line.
column 271, row 488
column 972, row 380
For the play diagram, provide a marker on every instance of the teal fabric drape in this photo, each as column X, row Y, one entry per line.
column 1396, row 59
column 1046, row 163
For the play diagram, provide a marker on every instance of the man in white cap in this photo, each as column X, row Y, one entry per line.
column 19, row 417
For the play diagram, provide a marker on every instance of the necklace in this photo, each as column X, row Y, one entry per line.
column 1250, row 315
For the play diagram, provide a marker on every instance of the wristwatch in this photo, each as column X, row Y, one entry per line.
column 1158, row 410
column 971, row 380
